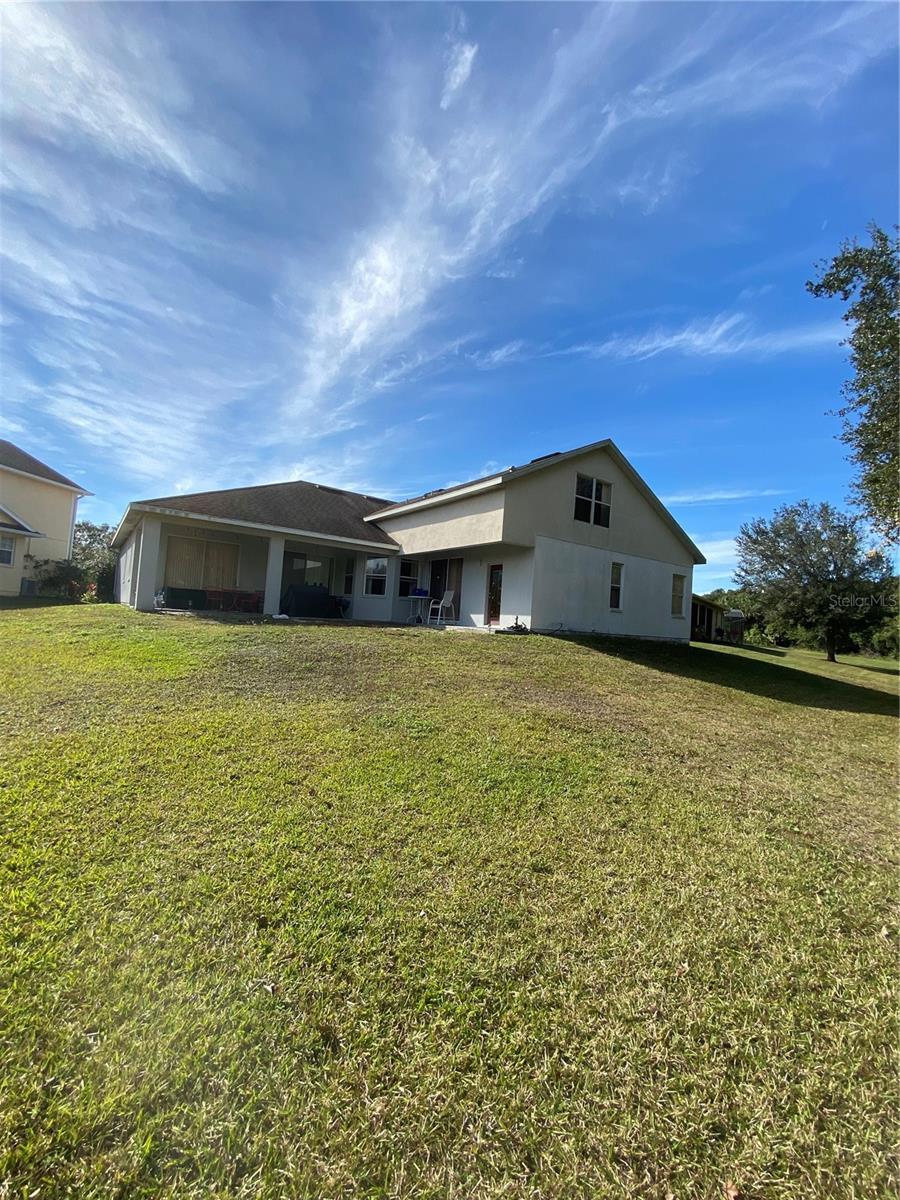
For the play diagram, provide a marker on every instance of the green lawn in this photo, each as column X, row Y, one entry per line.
column 345, row 912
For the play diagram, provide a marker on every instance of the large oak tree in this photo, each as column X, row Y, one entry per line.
column 869, row 276
column 810, row 566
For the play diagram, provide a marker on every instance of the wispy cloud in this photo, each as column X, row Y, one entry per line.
column 724, row 335
column 721, row 495
column 499, row 356
column 648, row 186
column 69, row 81
column 718, row 552
column 459, row 67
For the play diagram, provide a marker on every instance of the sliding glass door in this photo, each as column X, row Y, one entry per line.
column 446, row 576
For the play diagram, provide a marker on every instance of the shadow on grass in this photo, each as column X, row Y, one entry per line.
column 31, row 602
column 788, row 684
column 770, row 650
column 880, row 668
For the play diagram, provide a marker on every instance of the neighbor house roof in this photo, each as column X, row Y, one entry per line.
column 11, row 522
column 695, row 599
column 293, row 508
column 15, row 459
column 500, row 478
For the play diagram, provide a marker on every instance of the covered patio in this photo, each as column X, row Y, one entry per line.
column 214, row 567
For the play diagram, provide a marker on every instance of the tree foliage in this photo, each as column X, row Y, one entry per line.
column 869, row 276
column 92, row 554
column 811, row 569
column 89, row 574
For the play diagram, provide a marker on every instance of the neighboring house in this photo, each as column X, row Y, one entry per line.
column 37, row 516
column 570, row 541
column 706, row 619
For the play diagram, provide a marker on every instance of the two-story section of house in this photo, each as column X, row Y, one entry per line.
column 572, row 541
column 37, row 516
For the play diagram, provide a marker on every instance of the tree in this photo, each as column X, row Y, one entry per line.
column 92, row 554
column 870, row 276
column 811, row 568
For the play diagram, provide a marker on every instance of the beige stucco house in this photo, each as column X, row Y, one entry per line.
column 570, row 541
column 37, row 516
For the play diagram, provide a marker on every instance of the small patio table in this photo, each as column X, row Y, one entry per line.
column 416, row 615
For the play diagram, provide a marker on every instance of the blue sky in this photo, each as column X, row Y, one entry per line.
column 389, row 248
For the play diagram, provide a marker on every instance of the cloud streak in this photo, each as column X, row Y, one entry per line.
column 128, row 103
column 459, row 68
column 722, row 336
column 721, row 495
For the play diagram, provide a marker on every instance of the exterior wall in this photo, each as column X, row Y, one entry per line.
column 12, row 574
column 470, row 521
column 571, row 592
column 543, row 503
column 375, row 608
column 46, row 507
column 515, row 597
column 126, row 575
column 516, row 591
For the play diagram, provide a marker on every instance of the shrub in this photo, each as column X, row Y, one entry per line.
column 59, row 578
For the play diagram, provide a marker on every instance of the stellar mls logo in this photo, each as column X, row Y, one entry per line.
column 851, row 600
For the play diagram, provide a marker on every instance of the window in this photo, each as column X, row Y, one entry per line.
column 678, row 595
column 376, row 576
column 615, row 585
column 592, row 501
column 348, row 576
column 409, row 577
column 7, row 551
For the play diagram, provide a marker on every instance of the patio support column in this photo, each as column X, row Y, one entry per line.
column 272, row 601
column 147, row 564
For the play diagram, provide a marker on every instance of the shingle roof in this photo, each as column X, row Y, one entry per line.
column 17, row 460
column 311, row 507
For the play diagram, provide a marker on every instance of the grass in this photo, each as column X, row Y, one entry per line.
column 333, row 912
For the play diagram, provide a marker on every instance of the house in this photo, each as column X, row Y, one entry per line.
column 569, row 541
column 707, row 619
column 37, row 516
column 713, row 622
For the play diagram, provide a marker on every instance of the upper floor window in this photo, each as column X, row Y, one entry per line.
column 7, row 551
column 592, row 501
column 615, row 585
column 678, row 582
column 409, row 577
column 376, row 576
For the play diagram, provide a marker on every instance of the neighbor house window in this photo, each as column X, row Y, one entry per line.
column 7, row 551
column 409, row 577
column 678, row 595
column 376, row 576
column 592, row 501
column 348, row 576
column 615, row 585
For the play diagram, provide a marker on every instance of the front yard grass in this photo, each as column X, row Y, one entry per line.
column 345, row 912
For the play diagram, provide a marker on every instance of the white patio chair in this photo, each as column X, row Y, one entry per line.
column 438, row 609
